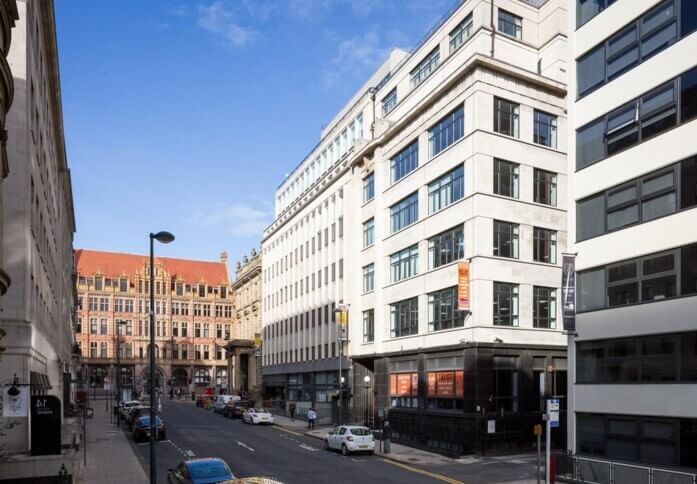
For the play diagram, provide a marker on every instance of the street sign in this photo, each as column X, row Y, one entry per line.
column 537, row 430
column 491, row 426
column 553, row 412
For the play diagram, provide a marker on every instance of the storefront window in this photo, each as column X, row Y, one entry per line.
column 404, row 390
column 446, row 389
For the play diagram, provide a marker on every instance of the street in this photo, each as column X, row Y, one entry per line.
column 269, row 451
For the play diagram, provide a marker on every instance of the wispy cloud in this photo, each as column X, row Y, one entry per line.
column 180, row 10
column 315, row 9
column 238, row 219
column 223, row 21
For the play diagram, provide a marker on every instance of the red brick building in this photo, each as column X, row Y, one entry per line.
column 194, row 320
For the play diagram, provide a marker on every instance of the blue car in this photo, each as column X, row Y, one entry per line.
column 200, row 471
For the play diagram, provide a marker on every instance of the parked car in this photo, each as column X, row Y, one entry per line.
column 200, row 471
column 203, row 401
column 257, row 416
column 235, row 408
column 135, row 413
column 141, row 429
column 222, row 400
column 126, row 406
column 350, row 438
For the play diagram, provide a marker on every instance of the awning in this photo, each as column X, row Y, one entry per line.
column 39, row 381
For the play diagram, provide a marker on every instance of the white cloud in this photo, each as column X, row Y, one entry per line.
column 355, row 58
column 238, row 219
column 222, row 21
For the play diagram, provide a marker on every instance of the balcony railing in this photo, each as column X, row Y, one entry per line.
column 576, row 469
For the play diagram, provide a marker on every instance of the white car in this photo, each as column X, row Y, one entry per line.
column 350, row 438
column 126, row 407
column 257, row 416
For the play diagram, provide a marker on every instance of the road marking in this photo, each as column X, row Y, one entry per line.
column 308, row 447
column 242, row 444
column 189, row 453
column 289, row 431
column 426, row 473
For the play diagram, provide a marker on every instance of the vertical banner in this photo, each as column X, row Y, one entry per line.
column 15, row 401
column 463, row 286
column 568, row 291
column 342, row 317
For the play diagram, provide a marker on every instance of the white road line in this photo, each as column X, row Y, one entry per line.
column 242, row 444
column 190, row 453
column 308, row 447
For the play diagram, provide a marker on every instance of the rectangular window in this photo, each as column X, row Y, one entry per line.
column 506, row 117
column 369, row 326
column 446, row 131
column 404, row 318
column 506, row 178
column 506, row 239
column 688, row 94
column 587, row 9
column 510, row 24
column 461, row 34
column 404, row 212
column 632, row 45
column 505, row 304
column 368, row 233
column 389, row 102
column 404, row 263
column 446, row 190
column 404, row 162
column 545, row 129
column 442, row 310
column 545, row 245
column 545, row 187
column 446, row 247
column 505, row 384
column 369, row 278
column 425, row 67
column 404, row 390
column 544, row 308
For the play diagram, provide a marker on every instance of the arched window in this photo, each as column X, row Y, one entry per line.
column 202, row 376
column 221, row 377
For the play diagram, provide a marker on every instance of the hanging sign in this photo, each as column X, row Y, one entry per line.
column 463, row 286
column 15, row 401
column 568, row 292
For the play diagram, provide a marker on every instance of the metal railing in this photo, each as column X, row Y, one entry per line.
column 576, row 469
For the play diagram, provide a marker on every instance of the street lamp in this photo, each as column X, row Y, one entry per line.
column 164, row 238
column 119, row 377
column 366, row 380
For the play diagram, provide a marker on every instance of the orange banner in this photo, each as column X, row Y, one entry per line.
column 463, row 286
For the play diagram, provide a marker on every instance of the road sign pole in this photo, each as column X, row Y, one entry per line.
column 538, row 434
column 548, row 445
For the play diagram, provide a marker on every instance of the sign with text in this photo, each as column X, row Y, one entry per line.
column 45, row 425
column 463, row 286
column 568, row 292
column 553, row 413
column 15, row 401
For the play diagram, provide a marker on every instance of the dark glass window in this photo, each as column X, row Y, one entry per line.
column 368, row 190
column 688, row 269
column 446, row 190
column 506, row 239
column 545, row 129
column 446, row 131
column 404, row 212
column 544, row 309
column 688, row 183
column 425, row 67
column 545, row 245
column 505, row 384
column 404, row 162
column 461, row 34
column 389, row 102
column 587, row 9
column 622, row 129
column 442, row 310
column 591, row 70
column 368, row 325
column 506, row 178
column 404, row 264
column 404, row 318
column 590, row 144
column 506, row 117
column 591, row 290
column 688, row 95
column 505, row 304
column 545, row 189
column 446, row 247
column 658, row 111
column 688, row 17
column 510, row 24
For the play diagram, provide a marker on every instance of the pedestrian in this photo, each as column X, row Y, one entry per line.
column 311, row 417
column 193, row 396
column 291, row 407
column 171, row 393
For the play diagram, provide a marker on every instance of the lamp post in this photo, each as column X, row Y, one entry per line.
column 164, row 238
column 366, row 380
column 119, row 323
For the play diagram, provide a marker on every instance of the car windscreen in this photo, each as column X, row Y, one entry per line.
column 209, row 470
column 145, row 421
column 360, row 431
column 261, row 410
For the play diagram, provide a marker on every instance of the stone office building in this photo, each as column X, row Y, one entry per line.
column 467, row 163
column 194, row 314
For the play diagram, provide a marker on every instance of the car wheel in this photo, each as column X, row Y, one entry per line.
column 344, row 450
column 326, row 444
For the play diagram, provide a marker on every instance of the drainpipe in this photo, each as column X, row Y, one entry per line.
column 372, row 92
column 493, row 28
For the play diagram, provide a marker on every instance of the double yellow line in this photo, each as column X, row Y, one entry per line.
column 439, row 477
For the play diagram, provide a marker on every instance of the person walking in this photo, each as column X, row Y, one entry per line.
column 311, row 417
column 291, row 408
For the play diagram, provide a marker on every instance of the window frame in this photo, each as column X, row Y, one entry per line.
column 453, row 239
column 447, row 131
column 369, row 326
column 404, row 162
column 509, row 19
column 368, row 278
column 543, row 119
column 513, row 176
column 452, row 318
column 369, row 233
column 514, row 117
column 401, row 212
column 514, row 236
column 550, row 319
column 550, row 240
column 461, row 34
column 389, row 102
column 446, row 189
column 369, row 187
column 425, row 68
column 404, row 318
column 404, row 263
column 513, row 292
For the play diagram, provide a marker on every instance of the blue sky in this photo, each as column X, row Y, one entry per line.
column 185, row 116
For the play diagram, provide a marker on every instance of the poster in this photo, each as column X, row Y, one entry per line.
column 446, row 383
column 568, row 291
column 15, row 401
column 463, row 286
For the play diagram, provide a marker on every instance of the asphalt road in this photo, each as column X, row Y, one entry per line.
column 270, row 451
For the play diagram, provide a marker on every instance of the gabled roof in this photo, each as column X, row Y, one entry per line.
column 114, row 264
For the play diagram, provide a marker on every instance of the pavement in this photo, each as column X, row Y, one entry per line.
column 110, row 458
column 287, row 451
